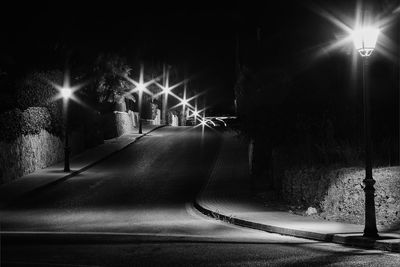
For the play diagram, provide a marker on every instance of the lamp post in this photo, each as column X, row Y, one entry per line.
column 140, row 92
column 140, row 87
column 364, row 41
column 166, row 90
column 66, row 93
column 184, row 102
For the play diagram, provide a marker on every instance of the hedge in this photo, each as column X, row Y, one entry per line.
column 15, row 122
column 35, row 90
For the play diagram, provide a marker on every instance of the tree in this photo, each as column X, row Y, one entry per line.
column 110, row 84
column 260, row 99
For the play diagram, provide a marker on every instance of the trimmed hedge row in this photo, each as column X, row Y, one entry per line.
column 36, row 89
column 15, row 122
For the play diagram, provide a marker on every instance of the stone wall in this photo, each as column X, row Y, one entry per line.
column 338, row 193
column 125, row 122
column 175, row 120
column 28, row 153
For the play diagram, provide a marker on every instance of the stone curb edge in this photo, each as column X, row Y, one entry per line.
column 74, row 173
column 334, row 238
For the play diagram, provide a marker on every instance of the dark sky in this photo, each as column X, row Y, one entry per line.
column 199, row 36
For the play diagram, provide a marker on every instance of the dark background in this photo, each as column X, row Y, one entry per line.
column 206, row 40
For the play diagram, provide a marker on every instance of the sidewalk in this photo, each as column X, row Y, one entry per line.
column 40, row 179
column 228, row 197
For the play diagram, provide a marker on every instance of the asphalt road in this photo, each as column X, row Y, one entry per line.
column 135, row 209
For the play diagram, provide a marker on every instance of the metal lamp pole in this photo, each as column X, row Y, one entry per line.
column 66, row 93
column 370, row 229
column 365, row 41
column 140, row 111
column 140, row 88
column 165, row 102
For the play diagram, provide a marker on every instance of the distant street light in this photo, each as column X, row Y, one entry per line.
column 166, row 90
column 66, row 93
column 364, row 41
column 140, row 87
column 184, row 103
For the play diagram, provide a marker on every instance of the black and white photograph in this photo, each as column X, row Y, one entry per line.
column 200, row 133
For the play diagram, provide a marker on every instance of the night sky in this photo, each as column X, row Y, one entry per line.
column 198, row 36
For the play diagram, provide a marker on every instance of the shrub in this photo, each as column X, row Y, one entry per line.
column 14, row 123
column 10, row 124
column 36, row 91
column 35, row 119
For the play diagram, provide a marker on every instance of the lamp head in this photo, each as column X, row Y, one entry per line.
column 140, row 87
column 66, row 92
column 184, row 102
column 166, row 90
column 365, row 40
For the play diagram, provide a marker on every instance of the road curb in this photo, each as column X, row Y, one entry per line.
column 385, row 243
column 353, row 241
column 74, row 173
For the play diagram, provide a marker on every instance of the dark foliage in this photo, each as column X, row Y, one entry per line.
column 36, row 90
column 15, row 122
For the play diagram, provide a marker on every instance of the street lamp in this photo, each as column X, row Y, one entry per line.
column 184, row 103
column 66, row 93
column 140, row 87
column 166, row 90
column 364, row 41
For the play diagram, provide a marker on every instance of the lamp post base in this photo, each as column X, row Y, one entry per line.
column 371, row 233
column 140, row 126
column 66, row 159
column 370, row 229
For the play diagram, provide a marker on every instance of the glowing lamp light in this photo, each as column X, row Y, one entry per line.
column 140, row 87
column 195, row 113
column 66, row 92
column 184, row 102
column 365, row 40
column 166, row 90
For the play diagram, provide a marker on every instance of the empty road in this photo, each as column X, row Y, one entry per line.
column 135, row 209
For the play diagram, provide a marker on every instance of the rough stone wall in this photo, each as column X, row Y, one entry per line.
column 153, row 110
column 28, row 153
column 174, row 120
column 157, row 119
column 134, row 117
column 124, row 123
column 338, row 193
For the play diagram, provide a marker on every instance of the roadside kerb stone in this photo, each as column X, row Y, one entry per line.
column 217, row 203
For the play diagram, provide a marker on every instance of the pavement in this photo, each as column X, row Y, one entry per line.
column 228, row 197
column 43, row 178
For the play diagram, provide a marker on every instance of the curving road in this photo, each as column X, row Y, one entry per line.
column 134, row 209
